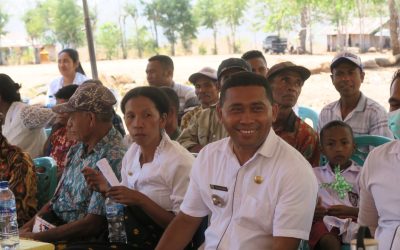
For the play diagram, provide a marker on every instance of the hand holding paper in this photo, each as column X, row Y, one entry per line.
column 108, row 173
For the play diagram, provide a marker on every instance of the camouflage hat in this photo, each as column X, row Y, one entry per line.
column 91, row 97
column 288, row 66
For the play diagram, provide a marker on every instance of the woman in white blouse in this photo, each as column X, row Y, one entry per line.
column 71, row 73
column 155, row 169
column 23, row 124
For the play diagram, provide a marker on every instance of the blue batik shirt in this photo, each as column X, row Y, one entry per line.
column 74, row 200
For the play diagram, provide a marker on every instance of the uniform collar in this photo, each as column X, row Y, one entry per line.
column 353, row 168
column 267, row 149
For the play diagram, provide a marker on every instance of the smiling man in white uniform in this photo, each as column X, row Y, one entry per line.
column 259, row 191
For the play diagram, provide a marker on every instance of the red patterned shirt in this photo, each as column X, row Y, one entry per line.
column 302, row 137
column 60, row 145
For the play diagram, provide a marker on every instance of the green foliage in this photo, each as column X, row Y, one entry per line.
column 35, row 23
column 177, row 21
column 208, row 12
column 109, row 38
column 202, row 49
column 68, row 23
column 3, row 21
column 53, row 20
column 232, row 14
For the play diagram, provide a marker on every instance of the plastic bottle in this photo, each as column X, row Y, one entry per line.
column 9, row 237
column 116, row 222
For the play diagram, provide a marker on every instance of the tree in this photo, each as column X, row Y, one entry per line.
column 68, row 23
column 3, row 21
column 35, row 23
column 232, row 14
column 109, row 38
column 394, row 27
column 132, row 11
column 152, row 12
column 209, row 14
column 177, row 21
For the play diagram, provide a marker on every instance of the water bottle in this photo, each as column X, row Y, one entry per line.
column 116, row 222
column 9, row 238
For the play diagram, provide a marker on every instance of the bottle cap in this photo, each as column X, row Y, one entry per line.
column 3, row 184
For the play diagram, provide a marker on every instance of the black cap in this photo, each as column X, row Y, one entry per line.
column 232, row 63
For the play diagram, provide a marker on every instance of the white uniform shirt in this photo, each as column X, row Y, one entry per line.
column 23, row 127
column 58, row 83
column 251, row 214
column 184, row 93
column 165, row 179
column 368, row 117
column 379, row 192
column 328, row 196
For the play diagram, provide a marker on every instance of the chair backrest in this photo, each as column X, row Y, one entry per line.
column 309, row 113
column 46, row 174
column 363, row 147
column 364, row 144
column 48, row 131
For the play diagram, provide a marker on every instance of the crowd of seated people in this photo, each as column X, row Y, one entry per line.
column 257, row 174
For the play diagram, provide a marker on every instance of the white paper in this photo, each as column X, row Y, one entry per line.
column 108, row 173
column 41, row 225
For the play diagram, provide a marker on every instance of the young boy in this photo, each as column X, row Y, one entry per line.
column 337, row 144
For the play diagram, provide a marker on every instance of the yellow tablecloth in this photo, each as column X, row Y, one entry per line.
column 25, row 244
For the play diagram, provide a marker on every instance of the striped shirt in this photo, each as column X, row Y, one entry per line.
column 368, row 117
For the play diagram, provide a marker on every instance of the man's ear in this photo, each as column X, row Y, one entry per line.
column 275, row 111
column 362, row 75
column 92, row 117
column 163, row 120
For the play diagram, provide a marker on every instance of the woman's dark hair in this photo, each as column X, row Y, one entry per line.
column 157, row 96
column 73, row 54
column 9, row 90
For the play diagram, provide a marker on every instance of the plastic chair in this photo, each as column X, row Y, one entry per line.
column 46, row 174
column 309, row 113
column 363, row 144
column 48, row 131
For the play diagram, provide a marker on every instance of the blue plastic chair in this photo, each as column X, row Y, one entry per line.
column 48, row 131
column 309, row 113
column 46, row 180
column 363, row 144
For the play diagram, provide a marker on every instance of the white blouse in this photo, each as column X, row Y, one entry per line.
column 165, row 179
column 24, row 127
column 58, row 83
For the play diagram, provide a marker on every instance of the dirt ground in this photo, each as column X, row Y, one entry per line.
column 317, row 91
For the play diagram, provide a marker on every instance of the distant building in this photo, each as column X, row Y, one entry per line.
column 15, row 48
column 372, row 33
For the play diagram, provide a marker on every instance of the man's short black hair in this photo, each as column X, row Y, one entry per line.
column 66, row 92
column 164, row 60
column 334, row 124
column 251, row 54
column 173, row 98
column 244, row 79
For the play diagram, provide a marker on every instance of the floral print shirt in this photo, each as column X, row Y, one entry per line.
column 73, row 199
column 18, row 169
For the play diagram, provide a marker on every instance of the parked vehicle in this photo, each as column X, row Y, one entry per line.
column 275, row 44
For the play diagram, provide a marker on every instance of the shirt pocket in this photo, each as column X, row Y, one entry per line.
column 254, row 214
